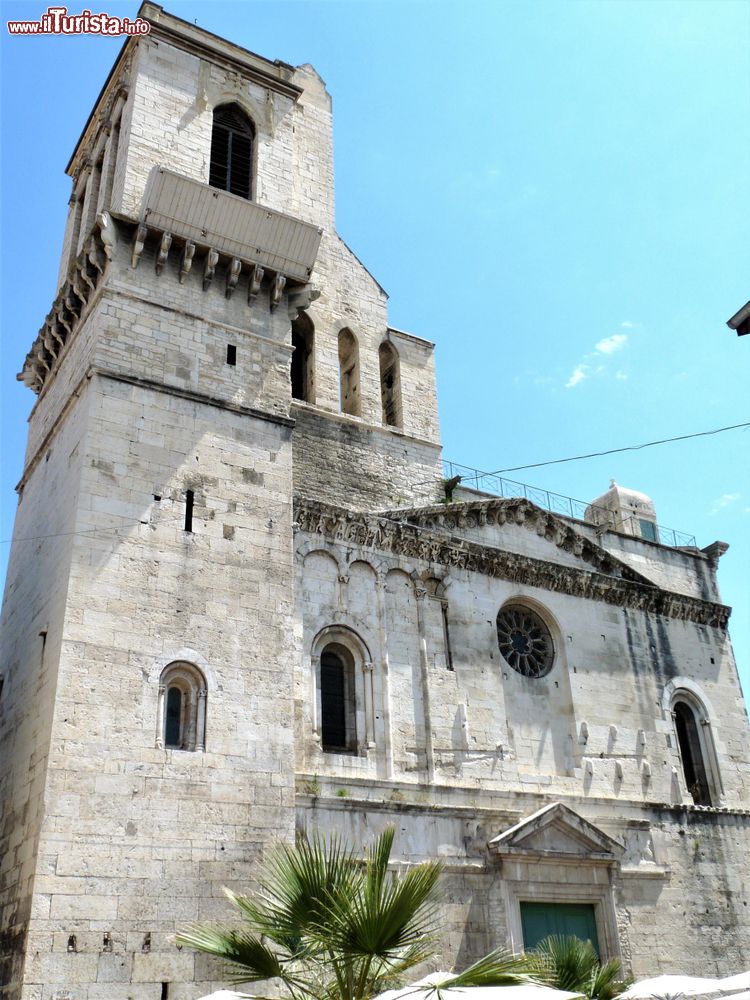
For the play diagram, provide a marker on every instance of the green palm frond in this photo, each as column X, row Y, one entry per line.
column 386, row 915
column 568, row 963
column 499, row 968
column 607, row 982
column 296, row 891
column 237, row 947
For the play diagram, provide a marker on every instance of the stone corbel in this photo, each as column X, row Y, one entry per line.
column 256, row 279
column 50, row 325
column 63, row 319
column 233, row 275
column 75, row 311
column 300, row 299
column 108, row 234
column 75, row 281
column 186, row 261
column 50, row 347
column 139, row 241
column 40, row 358
column 93, row 255
column 277, row 290
column 163, row 253
column 212, row 259
column 85, row 276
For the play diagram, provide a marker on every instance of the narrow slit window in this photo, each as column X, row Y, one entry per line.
column 173, row 725
column 337, row 700
column 349, row 373
column 231, row 354
column 189, row 501
column 302, row 371
column 232, row 140
column 446, row 636
column 691, row 754
column 333, row 701
column 390, row 385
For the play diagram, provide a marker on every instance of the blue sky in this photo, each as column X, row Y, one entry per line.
column 556, row 193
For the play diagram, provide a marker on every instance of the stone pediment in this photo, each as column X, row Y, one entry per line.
column 431, row 535
column 556, row 832
column 503, row 522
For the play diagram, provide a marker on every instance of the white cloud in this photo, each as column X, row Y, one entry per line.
column 578, row 375
column 611, row 344
column 627, row 325
column 621, row 376
column 585, row 368
column 725, row 500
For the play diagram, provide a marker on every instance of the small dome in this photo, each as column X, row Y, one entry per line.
column 625, row 510
column 624, row 495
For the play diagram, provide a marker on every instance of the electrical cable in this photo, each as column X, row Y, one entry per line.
column 59, row 534
column 614, row 451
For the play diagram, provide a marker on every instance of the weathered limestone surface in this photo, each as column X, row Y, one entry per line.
column 163, row 379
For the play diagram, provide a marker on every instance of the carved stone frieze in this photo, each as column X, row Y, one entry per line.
column 524, row 513
column 64, row 317
column 386, row 534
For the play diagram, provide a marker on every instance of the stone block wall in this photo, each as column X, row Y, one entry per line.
column 597, row 724
column 136, row 840
column 680, row 896
column 32, row 630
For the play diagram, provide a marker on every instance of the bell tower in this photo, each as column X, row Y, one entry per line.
column 146, row 713
column 213, row 347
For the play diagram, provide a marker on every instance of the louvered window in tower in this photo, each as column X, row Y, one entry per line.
column 232, row 151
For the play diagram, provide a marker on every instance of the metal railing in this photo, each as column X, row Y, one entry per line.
column 487, row 482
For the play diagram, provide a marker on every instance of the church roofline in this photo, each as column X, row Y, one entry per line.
column 170, row 28
column 384, row 532
column 566, row 536
column 363, row 265
column 410, row 336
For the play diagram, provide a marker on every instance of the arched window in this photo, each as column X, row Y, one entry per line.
column 303, row 367
column 232, row 151
column 693, row 749
column 390, row 385
column 181, row 721
column 349, row 373
column 343, row 691
column 337, row 699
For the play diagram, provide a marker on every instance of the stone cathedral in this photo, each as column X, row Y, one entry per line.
column 243, row 600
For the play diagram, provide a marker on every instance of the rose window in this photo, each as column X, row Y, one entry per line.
column 525, row 641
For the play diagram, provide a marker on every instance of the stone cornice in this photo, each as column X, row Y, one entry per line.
column 519, row 511
column 74, row 301
column 384, row 533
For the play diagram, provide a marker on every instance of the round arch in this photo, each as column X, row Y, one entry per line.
column 341, row 671
column 181, row 708
column 694, row 723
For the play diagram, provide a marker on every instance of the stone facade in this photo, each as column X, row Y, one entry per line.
column 195, row 529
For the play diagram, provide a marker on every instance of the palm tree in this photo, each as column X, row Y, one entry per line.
column 567, row 963
column 331, row 927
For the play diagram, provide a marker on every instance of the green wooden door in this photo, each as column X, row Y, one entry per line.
column 540, row 920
